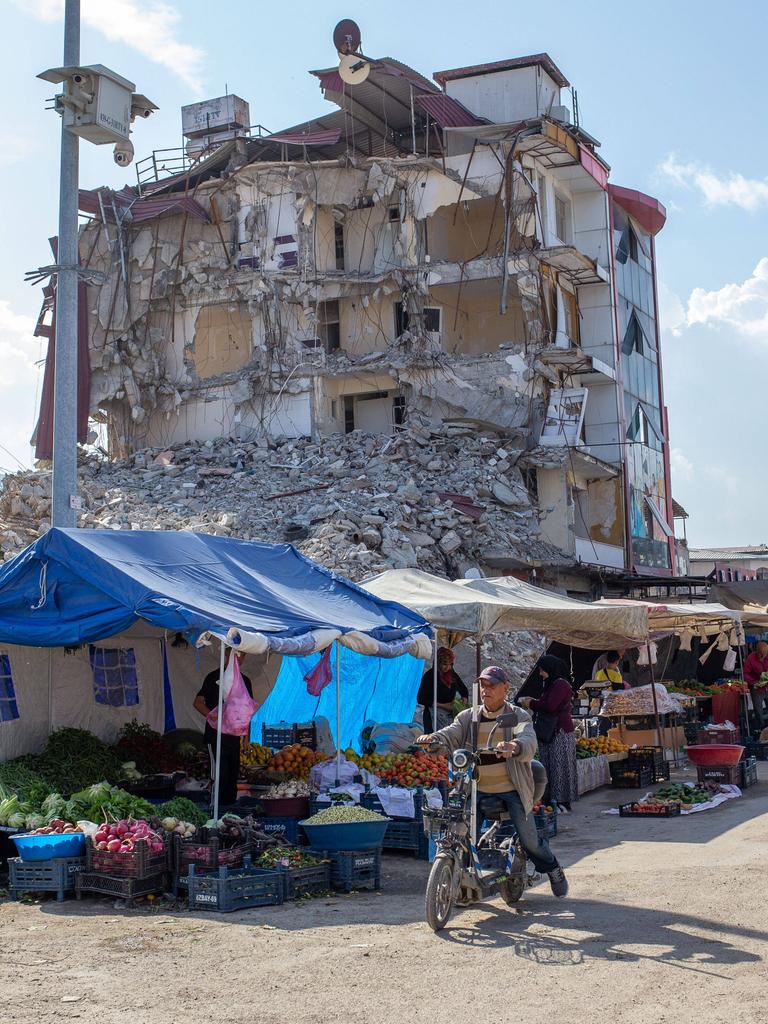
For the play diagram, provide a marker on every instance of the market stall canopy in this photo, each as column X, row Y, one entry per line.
column 672, row 618
column 479, row 607
column 749, row 597
column 79, row 586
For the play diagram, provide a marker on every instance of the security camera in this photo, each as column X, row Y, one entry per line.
column 123, row 153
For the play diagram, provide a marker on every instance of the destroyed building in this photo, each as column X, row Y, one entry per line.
column 446, row 260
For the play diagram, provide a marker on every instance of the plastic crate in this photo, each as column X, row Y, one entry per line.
column 207, row 857
column 406, row 835
column 645, row 755
column 286, row 830
column 119, row 888
column 748, row 766
column 661, row 772
column 277, row 736
column 313, row 880
column 668, row 811
column 154, row 788
column 352, row 869
column 719, row 735
column 624, row 776
column 235, row 889
column 138, row 863
column 754, row 749
column 725, row 774
column 56, row 875
column 546, row 823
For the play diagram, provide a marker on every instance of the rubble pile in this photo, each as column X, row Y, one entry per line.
column 441, row 500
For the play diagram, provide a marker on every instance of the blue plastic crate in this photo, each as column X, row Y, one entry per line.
column 287, row 828
column 754, row 749
column 404, row 835
column 546, row 823
column 352, row 869
column 313, row 880
column 55, row 875
column 235, row 889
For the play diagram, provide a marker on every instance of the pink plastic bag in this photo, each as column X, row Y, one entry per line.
column 238, row 708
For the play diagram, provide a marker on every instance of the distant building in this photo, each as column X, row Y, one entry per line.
column 729, row 564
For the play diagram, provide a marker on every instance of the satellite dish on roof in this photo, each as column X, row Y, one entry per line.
column 353, row 69
column 346, row 36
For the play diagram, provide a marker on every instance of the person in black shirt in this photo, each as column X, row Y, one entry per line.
column 449, row 683
column 206, row 700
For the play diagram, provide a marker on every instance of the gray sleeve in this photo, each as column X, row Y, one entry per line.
column 455, row 734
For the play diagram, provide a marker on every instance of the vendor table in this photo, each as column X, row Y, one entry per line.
column 593, row 772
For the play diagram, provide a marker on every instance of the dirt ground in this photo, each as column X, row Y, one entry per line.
column 666, row 922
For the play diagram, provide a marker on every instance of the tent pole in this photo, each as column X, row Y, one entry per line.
column 659, row 736
column 50, row 690
column 217, row 773
column 434, row 687
column 478, row 654
column 338, row 714
column 744, row 696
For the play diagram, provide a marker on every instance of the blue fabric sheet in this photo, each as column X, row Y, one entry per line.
column 382, row 689
column 79, row 586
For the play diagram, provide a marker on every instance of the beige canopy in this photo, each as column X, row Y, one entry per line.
column 664, row 617
column 749, row 597
column 479, row 607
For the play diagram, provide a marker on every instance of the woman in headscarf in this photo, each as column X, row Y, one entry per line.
column 554, row 729
column 449, row 684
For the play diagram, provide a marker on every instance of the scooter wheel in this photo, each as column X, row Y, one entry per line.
column 511, row 890
column 439, row 896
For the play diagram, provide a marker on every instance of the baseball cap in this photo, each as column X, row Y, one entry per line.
column 494, row 674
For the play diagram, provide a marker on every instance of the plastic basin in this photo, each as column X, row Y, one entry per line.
column 286, row 807
column 357, row 835
column 715, row 753
column 48, row 847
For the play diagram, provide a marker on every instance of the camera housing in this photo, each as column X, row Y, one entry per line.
column 123, row 153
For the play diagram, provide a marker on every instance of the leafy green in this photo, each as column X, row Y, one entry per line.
column 183, row 810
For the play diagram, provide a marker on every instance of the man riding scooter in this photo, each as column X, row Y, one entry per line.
column 505, row 774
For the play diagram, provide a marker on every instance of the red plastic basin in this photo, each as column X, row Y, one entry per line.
column 715, row 753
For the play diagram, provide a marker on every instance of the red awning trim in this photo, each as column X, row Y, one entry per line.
column 647, row 211
column 447, row 111
column 593, row 166
column 140, row 209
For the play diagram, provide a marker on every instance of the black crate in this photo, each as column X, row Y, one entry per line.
column 235, row 889
column 725, row 774
column 278, row 736
column 404, row 835
column 667, row 811
column 138, row 863
column 758, row 750
column 7, row 845
column 352, row 869
column 127, row 889
column 748, row 768
column 661, row 772
column 56, row 875
column 313, row 880
column 624, row 776
column 156, row 788
column 645, row 755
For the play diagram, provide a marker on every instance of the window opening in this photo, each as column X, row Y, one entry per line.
column 634, row 336
column 338, row 245
column 393, row 213
column 115, row 682
column 349, row 414
column 562, row 218
column 329, row 326
column 398, row 410
column 9, row 709
column 432, row 319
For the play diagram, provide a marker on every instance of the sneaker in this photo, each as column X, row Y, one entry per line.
column 562, row 809
column 559, row 883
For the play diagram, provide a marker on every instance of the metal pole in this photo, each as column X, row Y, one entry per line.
column 413, row 124
column 68, row 258
column 338, row 713
column 217, row 773
column 434, row 688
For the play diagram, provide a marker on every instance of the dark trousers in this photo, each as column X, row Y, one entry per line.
column 230, row 765
column 537, row 849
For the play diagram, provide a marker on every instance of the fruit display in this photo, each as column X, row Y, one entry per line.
column 286, row 791
column 419, row 769
column 57, row 827
column 693, row 688
column 343, row 814
column 123, row 836
column 540, row 808
column 676, row 795
column 639, row 701
column 296, row 760
column 596, row 745
column 253, row 755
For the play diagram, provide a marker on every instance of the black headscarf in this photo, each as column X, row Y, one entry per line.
column 554, row 667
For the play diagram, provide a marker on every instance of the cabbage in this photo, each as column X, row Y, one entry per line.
column 8, row 808
column 33, row 821
column 16, row 820
column 53, row 806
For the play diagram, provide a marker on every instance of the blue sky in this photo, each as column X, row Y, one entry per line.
column 672, row 90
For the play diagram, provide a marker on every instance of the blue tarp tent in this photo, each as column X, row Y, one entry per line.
column 126, row 591
column 77, row 586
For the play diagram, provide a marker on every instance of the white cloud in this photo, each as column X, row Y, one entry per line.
column 731, row 190
column 19, row 385
column 671, row 310
column 742, row 307
column 150, row 27
column 681, row 465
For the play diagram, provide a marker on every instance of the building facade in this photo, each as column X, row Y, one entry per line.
column 447, row 250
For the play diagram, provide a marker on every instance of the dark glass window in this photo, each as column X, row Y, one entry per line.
column 9, row 709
